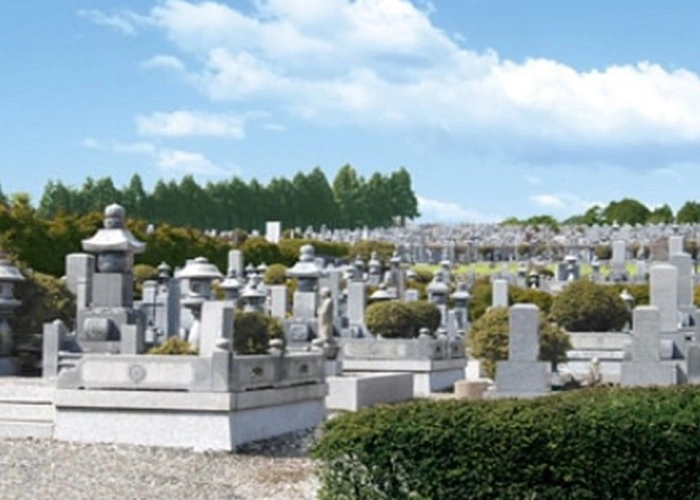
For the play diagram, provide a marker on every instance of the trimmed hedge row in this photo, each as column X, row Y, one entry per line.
column 596, row 443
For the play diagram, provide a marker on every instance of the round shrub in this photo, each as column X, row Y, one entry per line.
column 426, row 315
column 252, row 332
column 275, row 274
column 584, row 306
column 390, row 319
column 174, row 346
column 543, row 300
column 488, row 339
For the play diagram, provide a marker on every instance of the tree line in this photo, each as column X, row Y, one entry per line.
column 308, row 199
column 624, row 211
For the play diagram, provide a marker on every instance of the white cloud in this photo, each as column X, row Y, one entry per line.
column 171, row 161
column 179, row 161
column 191, row 123
column 563, row 202
column 548, row 200
column 123, row 23
column 163, row 61
column 447, row 212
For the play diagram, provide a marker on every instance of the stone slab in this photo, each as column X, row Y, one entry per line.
column 650, row 373
column 198, row 430
column 26, row 430
column 436, row 381
column 406, row 365
column 353, row 391
column 515, row 377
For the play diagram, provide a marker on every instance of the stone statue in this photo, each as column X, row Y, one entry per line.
column 325, row 340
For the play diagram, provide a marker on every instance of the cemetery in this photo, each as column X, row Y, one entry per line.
column 295, row 335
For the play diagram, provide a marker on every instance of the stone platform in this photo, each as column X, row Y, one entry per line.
column 353, row 391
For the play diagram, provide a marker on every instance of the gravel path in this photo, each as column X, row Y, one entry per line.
column 47, row 469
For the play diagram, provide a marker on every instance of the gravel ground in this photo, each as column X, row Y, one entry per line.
column 46, row 469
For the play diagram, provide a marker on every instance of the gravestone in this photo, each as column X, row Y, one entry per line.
column 500, row 293
column 278, row 301
column 522, row 374
column 649, row 364
column 273, row 231
column 235, row 262
column 663, row 293
column 683, row 263
column 357, row 302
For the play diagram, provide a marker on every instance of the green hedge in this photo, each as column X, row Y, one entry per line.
column 590, row 444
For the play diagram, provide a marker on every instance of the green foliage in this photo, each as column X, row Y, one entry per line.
column 626, row 211
column 44, row 299
column 535, row 220
column 390, row 319
column 174, row 346
column 597, row 443
column 143, row 272
column 257, row 250
column 365, row 248
column 306, row 200
column 482, row 297
column 422, row 275
column 689, row 213
column 540, row 298
column 425, row 314
column 252, row 332
column 661, row 215
column 275, row 274
column 584, row 306
column 639, row 291
column 488, row 339
column 603, row 252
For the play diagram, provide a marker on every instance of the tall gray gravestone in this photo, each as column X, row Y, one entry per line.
column 646, row 366
column 500, row 293
column 523, row 374
column 663, row 293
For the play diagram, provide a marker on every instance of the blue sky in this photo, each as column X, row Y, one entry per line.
column 496, row 107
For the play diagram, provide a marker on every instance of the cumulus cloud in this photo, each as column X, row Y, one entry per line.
column 451, row 213
column 168, row 160
column 190, row 123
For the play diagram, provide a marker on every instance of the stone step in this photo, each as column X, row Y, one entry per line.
column 27, row 412
column 18, row 429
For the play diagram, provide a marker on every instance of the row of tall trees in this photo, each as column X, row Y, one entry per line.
column 308, row 199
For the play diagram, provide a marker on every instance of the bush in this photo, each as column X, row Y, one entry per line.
column 142, row 272
column 252, row 332
column 257, row 250
column 365, row 248
column 482, row 297
column 640, row 292
column 390, row 319
column 275, row 274
column 425, row 314
column 44, row 299
column 584, row 306
column 597, row 443
column 174, row 346
column 488, row 339
column 543, row 300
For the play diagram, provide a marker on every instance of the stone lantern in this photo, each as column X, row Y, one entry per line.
column 307, row 274
column 250, row 270
column 253, row 296
column 115, row 248
column 462, row 298
column 305, row 270
column 200, row 273
column 438, row 289
column 358, row 269
column 437, row 294
column 375, row 270
column 231, row 285
column 9, row 275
